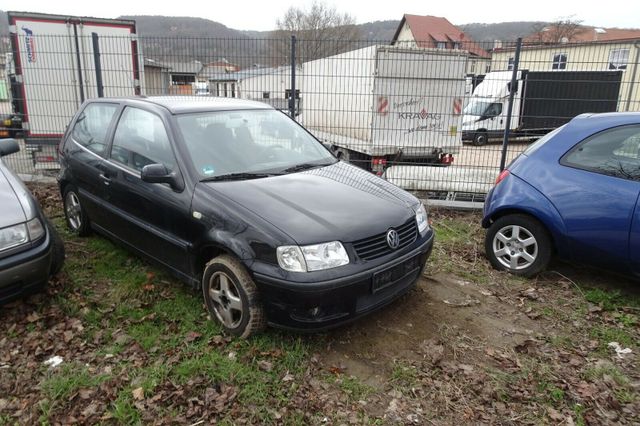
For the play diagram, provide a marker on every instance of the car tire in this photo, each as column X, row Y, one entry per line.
column 518, row 244
column 75, row 215
column 57, row 249
column 480, row 139
column 232, row 297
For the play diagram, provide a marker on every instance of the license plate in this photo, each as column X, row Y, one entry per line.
column 390, row 276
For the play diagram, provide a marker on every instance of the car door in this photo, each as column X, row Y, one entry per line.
column 151, row 217
column 84, row 150
column 634, row 240
column 597, row 188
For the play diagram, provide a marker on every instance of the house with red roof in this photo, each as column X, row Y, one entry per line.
column 438, row 33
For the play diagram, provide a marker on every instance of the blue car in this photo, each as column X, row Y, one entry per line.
column 574, row 194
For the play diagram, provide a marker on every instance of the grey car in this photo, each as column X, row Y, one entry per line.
column 30, row 248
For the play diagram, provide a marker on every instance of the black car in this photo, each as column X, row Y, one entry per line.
column 237, row 198
column 30, row 248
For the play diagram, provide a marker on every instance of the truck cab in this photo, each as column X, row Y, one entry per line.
column 485, row 114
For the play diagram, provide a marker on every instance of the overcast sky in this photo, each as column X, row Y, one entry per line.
column 261, row 15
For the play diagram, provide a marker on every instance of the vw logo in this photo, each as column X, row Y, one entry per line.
column 393, row 239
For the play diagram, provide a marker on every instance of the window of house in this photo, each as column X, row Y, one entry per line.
column 233, row 90
column 614, row 152
column 559, row 61
column 91, row 126
column 472, row 67
column 510, row 63
column 441, row 45
column 457, row 45
column 141, row 139
column 618, row 59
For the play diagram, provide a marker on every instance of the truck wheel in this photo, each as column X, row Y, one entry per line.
column 518, row 244
column 232, row 297
column 77, row 219
column 57, row 249
column 480, row 139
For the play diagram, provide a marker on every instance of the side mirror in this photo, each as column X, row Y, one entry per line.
column 158, row 173
column 8, row 146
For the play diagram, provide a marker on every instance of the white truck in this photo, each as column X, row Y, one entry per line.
column 383, row 104
column 543, row 100
column 58, row 62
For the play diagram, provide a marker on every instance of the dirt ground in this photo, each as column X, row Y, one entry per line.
column 467, row 345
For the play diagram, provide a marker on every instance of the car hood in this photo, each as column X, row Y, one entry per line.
column 337, row 202
column 11, row 211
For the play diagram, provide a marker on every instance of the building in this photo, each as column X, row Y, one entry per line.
column 589, row 49
column 156, row 77
column 439, row 33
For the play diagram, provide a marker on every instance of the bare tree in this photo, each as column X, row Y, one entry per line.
column 321, row 30
column 563, row 30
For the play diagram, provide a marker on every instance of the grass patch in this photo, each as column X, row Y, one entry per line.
column 404, row 376
column 67, row 379
column 606, row 334
column 603, row 369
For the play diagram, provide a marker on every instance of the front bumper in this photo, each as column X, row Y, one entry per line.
column 26, row 271
column 327, row 304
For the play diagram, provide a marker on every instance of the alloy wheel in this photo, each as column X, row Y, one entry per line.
column 515, row 247
column 227, row 304
column 74, row 211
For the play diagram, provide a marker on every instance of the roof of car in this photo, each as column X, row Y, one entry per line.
column 187, row 104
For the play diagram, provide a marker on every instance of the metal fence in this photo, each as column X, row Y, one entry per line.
column 429, row 119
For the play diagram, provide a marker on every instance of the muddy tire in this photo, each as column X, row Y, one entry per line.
column 518, row 244
column 480, row 139
column 232, row 297
column 57, row 249
column 74, row 213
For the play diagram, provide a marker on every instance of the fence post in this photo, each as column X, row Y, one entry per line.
column 78, row 62
column 292, row 92
column 512, row 91
column 98, row 65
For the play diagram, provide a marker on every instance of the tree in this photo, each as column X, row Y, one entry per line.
column 321, row 30
column 562, row 30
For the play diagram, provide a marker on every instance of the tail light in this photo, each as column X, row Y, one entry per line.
column 446, row 159
column 378, row 164
column 502, row 176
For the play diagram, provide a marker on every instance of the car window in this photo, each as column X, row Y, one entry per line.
column 494, row 110
column 613, row 152
column 243, row 141
column 90, row 129
column 141, row 139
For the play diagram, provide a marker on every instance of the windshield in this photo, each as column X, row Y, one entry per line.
column 476, row 108
column 249, row 142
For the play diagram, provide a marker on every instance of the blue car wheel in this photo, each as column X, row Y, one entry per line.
column 518, row 244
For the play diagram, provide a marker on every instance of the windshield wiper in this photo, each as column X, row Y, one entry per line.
column 238, row 176
column 304, row 166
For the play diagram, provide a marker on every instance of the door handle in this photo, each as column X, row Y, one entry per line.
column 105, row 179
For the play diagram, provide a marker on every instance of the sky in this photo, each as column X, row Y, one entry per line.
column 261, row 15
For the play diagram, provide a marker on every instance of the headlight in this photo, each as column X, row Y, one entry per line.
column 422, row 219
column 16, row 235
column 12, row 236
column 312, row 258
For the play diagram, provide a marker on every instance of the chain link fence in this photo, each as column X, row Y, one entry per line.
column 430, row 120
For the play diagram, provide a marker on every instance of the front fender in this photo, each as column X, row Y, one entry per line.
column 514, row 195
